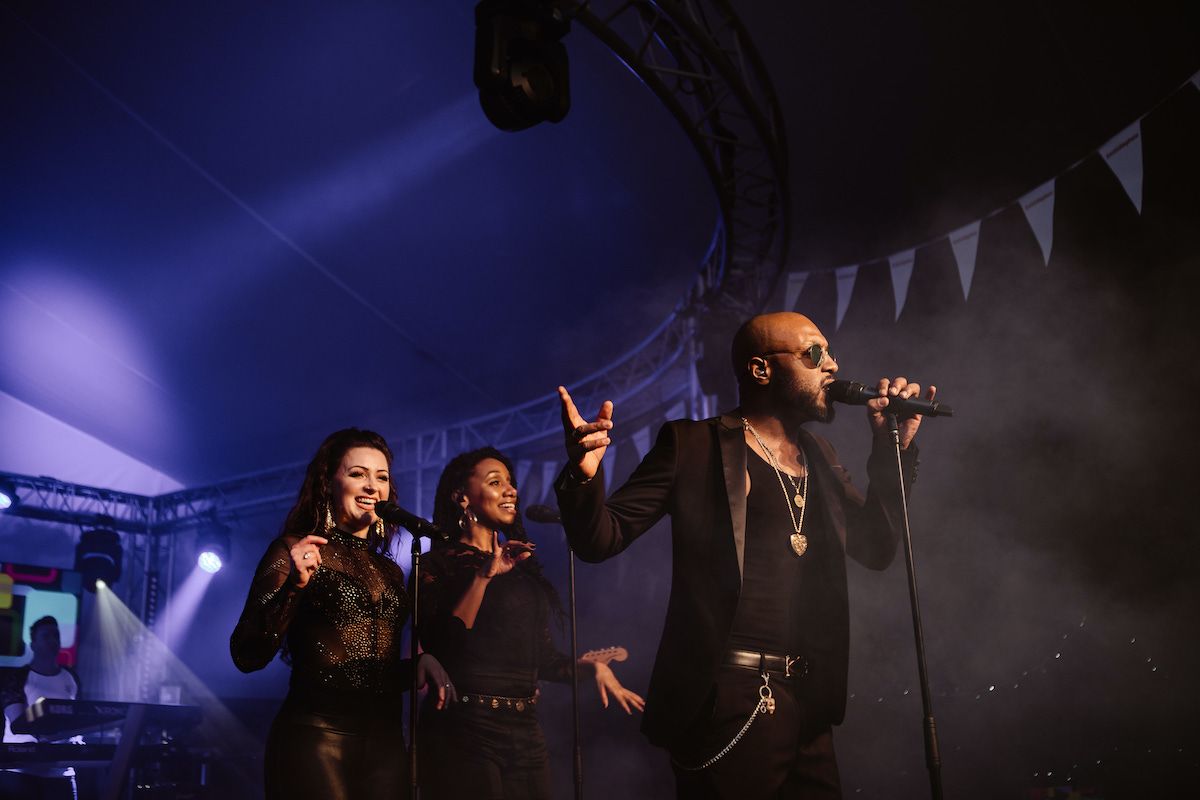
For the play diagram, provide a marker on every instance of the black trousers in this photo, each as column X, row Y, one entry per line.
column 336, row 757
column 23, row 786
column 783, row 756
column 480, row 753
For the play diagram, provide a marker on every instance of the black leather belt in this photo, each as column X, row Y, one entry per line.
column 785, row 665
column 498, row 702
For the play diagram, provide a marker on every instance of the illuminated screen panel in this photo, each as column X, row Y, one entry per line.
column 27, row 594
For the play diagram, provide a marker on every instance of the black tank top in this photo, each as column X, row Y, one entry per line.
column 771, row 572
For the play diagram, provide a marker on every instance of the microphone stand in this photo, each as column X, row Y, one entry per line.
column 550, row 517
column 578, row 764
column 933, row 759
column 414, row 790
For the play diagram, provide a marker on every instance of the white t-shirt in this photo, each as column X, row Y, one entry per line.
column 58, row 687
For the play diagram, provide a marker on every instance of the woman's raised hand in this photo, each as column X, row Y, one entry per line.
column 505, row 557
column 306, row 557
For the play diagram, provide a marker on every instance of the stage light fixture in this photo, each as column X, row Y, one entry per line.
column 520, row 64
column 212, row 549
column 98, row 557
column 8, row 495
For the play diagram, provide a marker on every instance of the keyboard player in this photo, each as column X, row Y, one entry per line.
column 43, row 676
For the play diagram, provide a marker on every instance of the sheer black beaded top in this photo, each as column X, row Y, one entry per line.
column 343, row 630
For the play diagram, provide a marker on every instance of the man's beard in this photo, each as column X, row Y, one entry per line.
column 813, row 406
column 822, row 412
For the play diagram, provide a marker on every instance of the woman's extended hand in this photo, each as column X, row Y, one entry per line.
column 607, row 684
column 504, row 557
column 306, row 557
column 431, row 674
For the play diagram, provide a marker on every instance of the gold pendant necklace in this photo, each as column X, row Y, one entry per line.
column 799, row 493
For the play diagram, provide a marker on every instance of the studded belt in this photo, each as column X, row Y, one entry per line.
column 786, row 665
column 498, row 702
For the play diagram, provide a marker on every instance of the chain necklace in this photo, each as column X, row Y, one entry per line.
column 796, row 499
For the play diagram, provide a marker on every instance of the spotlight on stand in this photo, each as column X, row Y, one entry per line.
column 98, row 557
column 520, row 65
column 212, row 549
column 8, row 495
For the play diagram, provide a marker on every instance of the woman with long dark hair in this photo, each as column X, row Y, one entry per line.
column 330, row 595
column 485, row 612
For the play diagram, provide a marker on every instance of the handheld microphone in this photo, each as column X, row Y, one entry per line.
column 546, row 514
column 856, row 394
column 390, row 512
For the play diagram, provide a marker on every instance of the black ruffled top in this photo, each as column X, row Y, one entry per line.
column 509, row 649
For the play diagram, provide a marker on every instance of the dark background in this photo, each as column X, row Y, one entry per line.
column 146, row 307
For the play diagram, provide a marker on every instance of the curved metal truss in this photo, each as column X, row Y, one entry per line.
column 697, row 58
column 662, row 361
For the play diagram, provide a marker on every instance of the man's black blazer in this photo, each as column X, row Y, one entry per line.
column 696, row 473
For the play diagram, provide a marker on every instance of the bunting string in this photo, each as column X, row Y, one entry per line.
column 1123, row 156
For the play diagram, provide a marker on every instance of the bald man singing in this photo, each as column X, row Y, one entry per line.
column 750, row 675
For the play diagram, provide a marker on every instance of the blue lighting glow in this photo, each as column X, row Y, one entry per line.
column 209, row 561
column 8, row 495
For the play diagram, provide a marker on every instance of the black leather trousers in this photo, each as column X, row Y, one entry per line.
column 336, row 756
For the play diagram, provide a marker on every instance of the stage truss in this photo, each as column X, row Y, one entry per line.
column 696, row 57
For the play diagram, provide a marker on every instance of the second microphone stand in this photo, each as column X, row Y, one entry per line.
column 933, row 759
column 414, row 787
column 578, row 762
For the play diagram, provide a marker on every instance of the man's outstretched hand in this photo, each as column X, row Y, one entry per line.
column 585, row 441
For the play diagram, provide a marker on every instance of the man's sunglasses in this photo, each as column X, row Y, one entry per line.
column 816, row 354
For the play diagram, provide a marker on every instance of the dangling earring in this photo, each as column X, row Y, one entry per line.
column 328, row 519
column 467, row 519
column 377, row 531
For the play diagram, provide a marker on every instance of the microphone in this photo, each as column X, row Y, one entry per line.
column 390, row 512
column 545, row 514
column 856, row 394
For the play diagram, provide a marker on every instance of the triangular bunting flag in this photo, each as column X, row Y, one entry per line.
column 641, row 441
column 676, row 411
column 902, row 266
column 1038, row 206
column 694, row 378
column 795, row 285
column 610, row 465
column 1123, row 154
column 549, row 470
column 845, row 289
column 524, row 467
column 965, row 244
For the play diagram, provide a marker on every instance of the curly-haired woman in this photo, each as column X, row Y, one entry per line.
column 485, row 613
column 327, row 591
